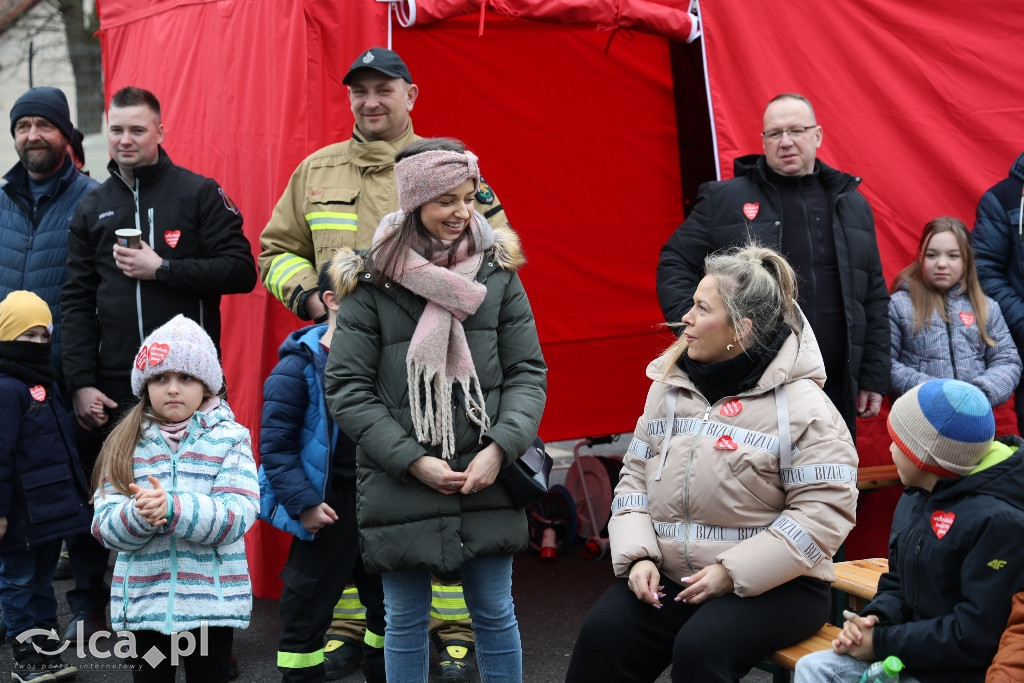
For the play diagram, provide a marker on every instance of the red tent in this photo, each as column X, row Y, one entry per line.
column 594, row 127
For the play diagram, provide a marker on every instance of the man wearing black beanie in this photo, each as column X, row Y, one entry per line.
column 38, row 200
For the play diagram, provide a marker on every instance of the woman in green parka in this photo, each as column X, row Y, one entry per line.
column 436, row 372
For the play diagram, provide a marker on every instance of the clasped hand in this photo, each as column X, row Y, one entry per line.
column 437, row 474
column 151, row 503
column 856, row 638
column 710, row 582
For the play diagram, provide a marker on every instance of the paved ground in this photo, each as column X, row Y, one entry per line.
column 551, row 600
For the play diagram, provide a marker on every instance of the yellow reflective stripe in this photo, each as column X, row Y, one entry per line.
column 332, row 220
column 373, row 640
column 299, row 660
column 449, row 609
column 282, row 269
column 349, row 612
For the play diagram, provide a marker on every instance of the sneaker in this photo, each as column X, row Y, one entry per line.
column 458, row 663
column 342, row 656
column 29, row 665
column 63, row 572
column 61, row 671
column 92, row 621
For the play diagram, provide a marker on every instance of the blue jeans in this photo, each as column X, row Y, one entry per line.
column 26, row 589
column 487, row 585
column 828, row 667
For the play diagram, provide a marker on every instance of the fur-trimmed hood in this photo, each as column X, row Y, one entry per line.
column 347, row 264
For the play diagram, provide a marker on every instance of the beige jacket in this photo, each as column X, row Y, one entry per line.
column 336, row 198
column 719, row 491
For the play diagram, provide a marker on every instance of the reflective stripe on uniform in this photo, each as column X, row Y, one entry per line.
column 447, row 603
column 281, row 269
column 332, row 220
column 349, row 606
column 299, row 660
column 373, row 640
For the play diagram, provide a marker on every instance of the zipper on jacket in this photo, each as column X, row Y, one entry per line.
column 686, row 488
column 949, row 338
column 138, row 283
column 124, row 587
column 915, row 574
column 216, row 575
column 173, row 544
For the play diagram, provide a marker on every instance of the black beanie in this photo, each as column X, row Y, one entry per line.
column 49, row 103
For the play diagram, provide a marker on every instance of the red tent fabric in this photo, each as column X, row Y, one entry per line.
column 666, row 18
column 581, row 140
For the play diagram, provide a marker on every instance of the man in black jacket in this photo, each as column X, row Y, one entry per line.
column 788, row 200
column 192, row 250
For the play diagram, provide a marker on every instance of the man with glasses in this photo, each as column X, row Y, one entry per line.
column 789, row 200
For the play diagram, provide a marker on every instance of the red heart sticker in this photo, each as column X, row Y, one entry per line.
column 38, row 392
column 725, row 443
column 140, row 359
column 731, row 408
column 171, row 237
column 967, row 318
column 942, row 521
column 750, row 209
column 157, row 353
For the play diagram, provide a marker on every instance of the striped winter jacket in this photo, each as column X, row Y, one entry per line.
column 731, row 487
column 174, row 577
column 954, row 349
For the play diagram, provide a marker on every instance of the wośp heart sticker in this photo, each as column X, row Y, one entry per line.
column 941, row 522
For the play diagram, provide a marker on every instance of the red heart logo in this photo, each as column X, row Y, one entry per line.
column 38, row 392
column 725, row 443
column 942, row 521
column 171, row 237
column 731, row 408
column 750, row 209
column 157, row 353
column 140, row 358
column 967, row 318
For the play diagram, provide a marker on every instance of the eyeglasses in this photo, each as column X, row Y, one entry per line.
column 793, row 133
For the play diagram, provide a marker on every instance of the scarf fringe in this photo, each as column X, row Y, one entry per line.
column 430, row 401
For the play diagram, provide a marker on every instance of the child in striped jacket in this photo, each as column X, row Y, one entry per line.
column 176, row 492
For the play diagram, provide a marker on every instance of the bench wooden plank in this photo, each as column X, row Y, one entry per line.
column 860, row 577
column 822, row 640
column 877, row 477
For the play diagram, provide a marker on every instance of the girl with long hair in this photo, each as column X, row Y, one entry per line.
column 943, row 325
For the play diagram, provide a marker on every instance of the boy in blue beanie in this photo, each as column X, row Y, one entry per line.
column 955, row 551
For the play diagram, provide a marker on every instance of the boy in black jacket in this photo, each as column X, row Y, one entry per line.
column 955, row 551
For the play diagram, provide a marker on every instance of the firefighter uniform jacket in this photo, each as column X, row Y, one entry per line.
column 337, row 198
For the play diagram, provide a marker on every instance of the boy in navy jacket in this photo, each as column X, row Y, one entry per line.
column 955, row 551
column 307, row 486
column 43, row 491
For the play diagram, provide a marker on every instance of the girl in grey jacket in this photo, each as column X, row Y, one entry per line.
column 942, row 325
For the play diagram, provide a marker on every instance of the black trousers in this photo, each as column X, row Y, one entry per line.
column 314, row 577
column 199, row 668
column 625, row 640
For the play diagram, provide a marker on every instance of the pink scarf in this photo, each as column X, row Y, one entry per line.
column 439, row 354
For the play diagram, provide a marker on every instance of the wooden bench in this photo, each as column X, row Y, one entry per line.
column 877, row 477
column 857, row 582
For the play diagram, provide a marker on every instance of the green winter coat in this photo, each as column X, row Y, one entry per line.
column 403, row 524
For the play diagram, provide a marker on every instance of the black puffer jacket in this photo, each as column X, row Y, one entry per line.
column 718, row 221
column 403, row 524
